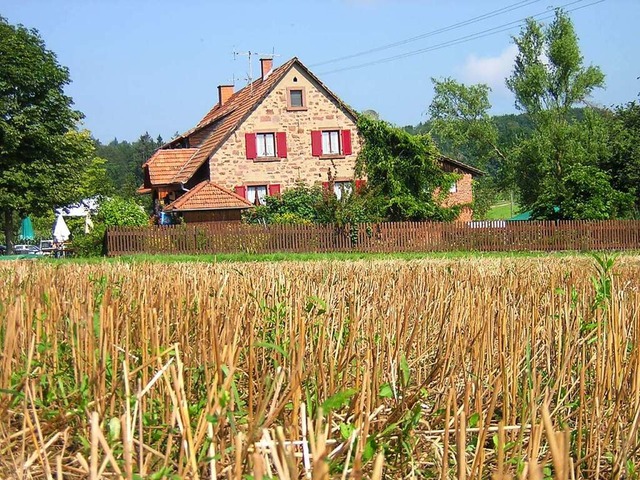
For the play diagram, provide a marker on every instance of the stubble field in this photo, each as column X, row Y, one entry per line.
column 466, row 368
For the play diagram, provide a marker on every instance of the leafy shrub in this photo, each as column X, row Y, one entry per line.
column 121, row 212
column 112, row 212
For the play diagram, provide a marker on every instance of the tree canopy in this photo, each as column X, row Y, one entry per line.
column 405, row 181
column 558, row 168
column 42, row 155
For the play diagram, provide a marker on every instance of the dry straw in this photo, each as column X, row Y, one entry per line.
column 480, row 368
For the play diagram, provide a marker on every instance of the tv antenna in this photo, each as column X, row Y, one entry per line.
column 249, row 54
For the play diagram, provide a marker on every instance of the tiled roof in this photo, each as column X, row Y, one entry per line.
column 230, row 115
column 208, row 196
column 462, row 166
column 164, row 164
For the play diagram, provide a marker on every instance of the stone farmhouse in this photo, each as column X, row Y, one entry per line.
column 284, row 128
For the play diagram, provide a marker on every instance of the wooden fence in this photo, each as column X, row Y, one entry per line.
column 381, row 238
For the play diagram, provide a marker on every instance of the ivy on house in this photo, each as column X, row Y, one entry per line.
column 404, row 178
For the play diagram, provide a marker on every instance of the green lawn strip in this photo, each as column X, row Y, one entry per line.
column 338, row 256
column 502, row 211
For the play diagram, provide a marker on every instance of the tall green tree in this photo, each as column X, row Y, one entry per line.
column 556, row 164
column 405, row 181
column 461, row 124
column 42, row 156
column 623, row 165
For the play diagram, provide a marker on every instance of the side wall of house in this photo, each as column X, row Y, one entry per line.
column 462, row 196
column 231, row 168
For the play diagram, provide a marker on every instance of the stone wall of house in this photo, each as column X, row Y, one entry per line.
column 230, row 167
column 462, row 196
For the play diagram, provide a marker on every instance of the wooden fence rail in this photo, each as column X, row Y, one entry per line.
column 222, row 237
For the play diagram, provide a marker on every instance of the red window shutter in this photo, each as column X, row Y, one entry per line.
column 241, row 191
column 360, row 185
column 316, row 143
column 250, row 145
column 346, row 142
column 325, row 185
column 281, row 144
column 274, row 189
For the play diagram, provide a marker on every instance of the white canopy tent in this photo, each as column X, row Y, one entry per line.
column 61, row 232
column 84, row 208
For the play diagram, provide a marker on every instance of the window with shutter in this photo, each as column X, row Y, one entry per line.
column 341, row 189
column 281, row 140
column 257, row 194
column 265, row 145
column 346, row 142
column 274, row 189
column 241, row 191
column 331, row 143
column 250, row 145
column 316, row 143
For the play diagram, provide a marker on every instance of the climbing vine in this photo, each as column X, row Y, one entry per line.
column 404, row 179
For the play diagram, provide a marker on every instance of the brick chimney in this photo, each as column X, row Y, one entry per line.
column 224, row 93
column 266, row 65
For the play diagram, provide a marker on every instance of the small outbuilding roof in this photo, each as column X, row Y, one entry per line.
column 208, row 196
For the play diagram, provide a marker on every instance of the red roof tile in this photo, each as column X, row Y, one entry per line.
column 165, row 164
column 208, row 196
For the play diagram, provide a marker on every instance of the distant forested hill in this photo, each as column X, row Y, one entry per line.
column 125, row 159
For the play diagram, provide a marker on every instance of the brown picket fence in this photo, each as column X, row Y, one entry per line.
column 389, row 237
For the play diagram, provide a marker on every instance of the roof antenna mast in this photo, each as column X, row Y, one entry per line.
column 251, row 54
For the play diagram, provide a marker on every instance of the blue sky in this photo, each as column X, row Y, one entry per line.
column 142, row 65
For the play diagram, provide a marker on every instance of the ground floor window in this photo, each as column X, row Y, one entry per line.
column 257, row 194
column 341, row 189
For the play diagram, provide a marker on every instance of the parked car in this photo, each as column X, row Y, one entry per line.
column 3, row 250
column 47, row 247
column 27, row 250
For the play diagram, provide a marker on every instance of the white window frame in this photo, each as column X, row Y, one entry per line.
column 331, row 139
column 262, row 144
column 257, row 194
column 343, row 187
column 454, row 187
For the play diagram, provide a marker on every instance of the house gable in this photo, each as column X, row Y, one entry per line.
column 230, row 165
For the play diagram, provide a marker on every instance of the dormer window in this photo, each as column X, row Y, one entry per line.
column 296, row 98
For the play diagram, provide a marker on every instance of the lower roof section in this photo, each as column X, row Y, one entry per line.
column 208, row 196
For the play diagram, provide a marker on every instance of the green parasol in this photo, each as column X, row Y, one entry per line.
column 26, row 229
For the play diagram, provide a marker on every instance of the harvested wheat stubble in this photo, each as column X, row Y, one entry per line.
column 469, row 369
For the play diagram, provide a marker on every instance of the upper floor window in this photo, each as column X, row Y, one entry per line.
column 296, row 98
column 453, row 188
column 266, row 145
column 331, row 143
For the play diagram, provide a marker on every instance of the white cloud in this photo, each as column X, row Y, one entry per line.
column 490, row 70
